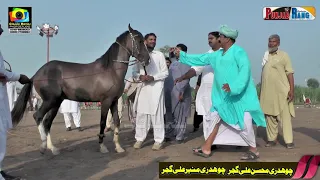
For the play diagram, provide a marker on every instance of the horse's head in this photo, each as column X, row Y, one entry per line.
column 135, row 43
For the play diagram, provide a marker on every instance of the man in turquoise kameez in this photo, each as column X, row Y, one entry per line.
column 234, row 94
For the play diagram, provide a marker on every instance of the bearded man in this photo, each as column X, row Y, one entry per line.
column 277, row 92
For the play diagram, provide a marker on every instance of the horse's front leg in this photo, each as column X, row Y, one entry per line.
column 105, row 105
column 116, row 121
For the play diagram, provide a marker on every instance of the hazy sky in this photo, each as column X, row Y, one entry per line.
column 88, row 28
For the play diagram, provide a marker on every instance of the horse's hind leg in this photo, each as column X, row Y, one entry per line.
column 46, row 108
column 116, row 121
column 105, row 105
column 38, row 117
column 47, row 122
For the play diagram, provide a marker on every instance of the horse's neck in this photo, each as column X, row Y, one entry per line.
column 120, row 68
column 117, row 58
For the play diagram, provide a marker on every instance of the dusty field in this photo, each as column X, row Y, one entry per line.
column 80, row 159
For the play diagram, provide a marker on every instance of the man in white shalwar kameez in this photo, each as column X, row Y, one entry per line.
column 109, row 117
column 5, row 115
column 149, row 102
column 71, row 110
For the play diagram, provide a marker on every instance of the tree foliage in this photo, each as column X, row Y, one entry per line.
column 313, row 83
column 165, row 50
column 299, row 91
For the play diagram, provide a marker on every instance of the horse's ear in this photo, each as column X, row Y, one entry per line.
column 130, row 28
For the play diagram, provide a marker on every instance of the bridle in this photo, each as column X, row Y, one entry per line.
column 134, row 48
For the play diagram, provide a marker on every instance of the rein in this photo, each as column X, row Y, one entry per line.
column 134, row 47
column 10, row 69
column 86, row 75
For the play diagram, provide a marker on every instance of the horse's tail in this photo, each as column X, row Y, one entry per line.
column 21, row 104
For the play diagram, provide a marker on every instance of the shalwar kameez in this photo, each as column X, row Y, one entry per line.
column 274, row 96
column 235, row 109
column 5, row 115
column 71, row 110
column 149, row 102
column 181, row 109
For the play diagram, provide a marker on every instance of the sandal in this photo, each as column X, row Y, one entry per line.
column 196, row 149
column 271, row 144
column 199, row 152
column 250, row 156
column 213, row 147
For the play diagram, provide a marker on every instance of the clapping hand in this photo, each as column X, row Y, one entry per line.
column 150, row 78
column 146, row 78
column 226, row 87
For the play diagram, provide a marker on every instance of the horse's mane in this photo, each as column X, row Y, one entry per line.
column 107, row 57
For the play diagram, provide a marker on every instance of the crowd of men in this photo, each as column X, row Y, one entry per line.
column 227, row 104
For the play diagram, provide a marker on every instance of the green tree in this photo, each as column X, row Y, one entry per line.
column 165, row 50
column 313, row 83
column 299, row 91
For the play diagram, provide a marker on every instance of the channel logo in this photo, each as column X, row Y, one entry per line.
column 20, row 20
column 303, row 13
column 19, row 15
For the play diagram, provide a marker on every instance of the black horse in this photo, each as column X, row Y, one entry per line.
column 99, row 81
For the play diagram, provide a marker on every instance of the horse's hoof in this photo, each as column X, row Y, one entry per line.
column 103, row 149
column 119, row 150
column 55, row 151
column 42, row 150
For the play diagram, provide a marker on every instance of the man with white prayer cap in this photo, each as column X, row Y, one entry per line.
column 277, row 92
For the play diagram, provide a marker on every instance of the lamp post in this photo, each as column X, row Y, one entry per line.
column 48, row 31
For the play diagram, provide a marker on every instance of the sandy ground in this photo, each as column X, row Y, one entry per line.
column 80, row 158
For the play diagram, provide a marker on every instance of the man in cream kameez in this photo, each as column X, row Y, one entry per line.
column 277, row 92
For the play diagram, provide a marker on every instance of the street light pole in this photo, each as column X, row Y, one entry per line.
column 48, row 31
column 48, row 48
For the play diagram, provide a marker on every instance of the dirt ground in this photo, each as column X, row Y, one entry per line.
column 80, row 158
